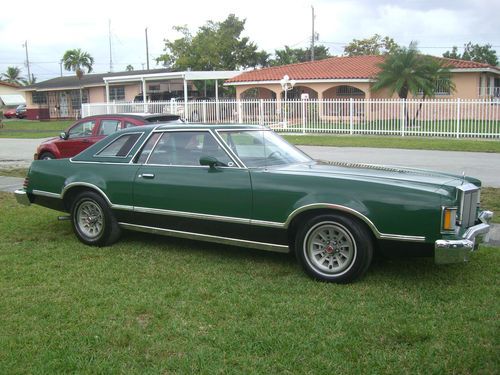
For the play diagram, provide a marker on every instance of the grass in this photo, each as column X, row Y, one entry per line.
column 13, row 172
column 157, row 305
column 416, row 143
column 33, row 129
column 490, row 199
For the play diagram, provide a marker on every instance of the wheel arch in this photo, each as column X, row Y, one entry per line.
column 304, row 213
column 73, row 189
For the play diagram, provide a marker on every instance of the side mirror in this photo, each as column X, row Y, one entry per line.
column 63, row 135
column 209, row 160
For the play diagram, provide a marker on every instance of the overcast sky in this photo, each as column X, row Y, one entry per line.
column 52, row 27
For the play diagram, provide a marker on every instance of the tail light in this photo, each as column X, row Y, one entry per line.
column 26, row 182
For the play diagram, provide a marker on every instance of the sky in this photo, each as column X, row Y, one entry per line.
column 52, row 27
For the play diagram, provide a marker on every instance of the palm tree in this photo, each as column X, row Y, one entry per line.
column 13, row 75
column 405, row 71
column 78, row 61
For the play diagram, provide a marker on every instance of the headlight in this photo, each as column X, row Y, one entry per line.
column 449, row 219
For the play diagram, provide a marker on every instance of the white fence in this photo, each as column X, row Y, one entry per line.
column 434, row 117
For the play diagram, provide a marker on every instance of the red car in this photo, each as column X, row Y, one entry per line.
column 92, row 129
column 10, row 113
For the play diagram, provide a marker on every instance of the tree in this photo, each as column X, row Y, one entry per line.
column 406, row 71
column 474, row 52
column 78, row 61
column 296, row 55
column 13, row 75
column 376, row 45
column 129, row 68
column 216, row 46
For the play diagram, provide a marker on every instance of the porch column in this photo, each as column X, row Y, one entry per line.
column 107, row 96
column 217, row 100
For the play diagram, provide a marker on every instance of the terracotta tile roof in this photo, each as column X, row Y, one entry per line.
column 355, row 67
column 8, row 84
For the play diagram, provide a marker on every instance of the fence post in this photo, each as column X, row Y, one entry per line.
column 351, row 116
column 304, row 118
column 402, row 116
column 204, row 111
column 240, row 114
column 458, row 118
column 261, row 112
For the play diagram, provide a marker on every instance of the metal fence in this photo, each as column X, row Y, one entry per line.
column 434, row 117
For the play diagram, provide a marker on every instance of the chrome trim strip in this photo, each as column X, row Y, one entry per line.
column 142, row 145
column 192, row 215
column 207, row 237
column 379, row 235
column 122, row 207
column 228, row 149
column 46, row 194
column 86, row 184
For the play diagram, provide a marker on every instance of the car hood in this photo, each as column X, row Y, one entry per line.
column 395, row 175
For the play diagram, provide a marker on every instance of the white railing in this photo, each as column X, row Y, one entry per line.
column 489, row 91
column 433, row 117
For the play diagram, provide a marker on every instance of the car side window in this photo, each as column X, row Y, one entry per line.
column 186, row 148
column 82, row 129
column 121, row 146
column 127, row 125
column 109, row 127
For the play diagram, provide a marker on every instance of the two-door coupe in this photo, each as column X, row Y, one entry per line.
column 244, row 185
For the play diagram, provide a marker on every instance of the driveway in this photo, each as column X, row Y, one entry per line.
column 17, row 152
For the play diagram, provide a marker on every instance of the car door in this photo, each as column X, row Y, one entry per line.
column 79, row 137
column 172, row 190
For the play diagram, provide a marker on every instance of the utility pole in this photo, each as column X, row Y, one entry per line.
column 25, row 45
column 60, row 66
column 110, row 52
column 147, row 49
column 313, row 35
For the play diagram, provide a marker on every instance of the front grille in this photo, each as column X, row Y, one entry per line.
column 469, row 196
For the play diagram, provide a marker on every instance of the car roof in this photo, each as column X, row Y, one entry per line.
column 188, row 126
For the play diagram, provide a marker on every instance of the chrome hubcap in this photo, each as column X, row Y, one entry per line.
column 90, row 219
column 330, row 248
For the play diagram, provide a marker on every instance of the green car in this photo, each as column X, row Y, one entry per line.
column 244, row 185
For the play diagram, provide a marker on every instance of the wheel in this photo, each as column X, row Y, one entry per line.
column 46, row 156
column 334, row 248
column 93, row 221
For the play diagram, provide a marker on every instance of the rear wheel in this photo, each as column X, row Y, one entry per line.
column 93, row 221
column 46, row 156
column 334, row 248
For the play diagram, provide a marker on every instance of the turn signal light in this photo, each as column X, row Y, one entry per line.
column 449, row 218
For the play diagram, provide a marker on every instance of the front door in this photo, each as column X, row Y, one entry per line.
column 63, row 104
column 172, row 190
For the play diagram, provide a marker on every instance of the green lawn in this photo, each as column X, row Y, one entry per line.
column 33, row 129
column 158, row 305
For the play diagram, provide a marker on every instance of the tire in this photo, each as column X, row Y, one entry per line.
column 46, row 156
column 334, row 248
column 93, row 221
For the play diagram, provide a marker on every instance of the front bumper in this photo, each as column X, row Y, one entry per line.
column 22, row 197
column 457, row 251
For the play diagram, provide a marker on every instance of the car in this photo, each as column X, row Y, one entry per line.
column 21, row 111
column 244, row 185
column 10, row 113
column 91, row 129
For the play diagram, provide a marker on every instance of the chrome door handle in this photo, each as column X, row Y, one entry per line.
column 147, row 175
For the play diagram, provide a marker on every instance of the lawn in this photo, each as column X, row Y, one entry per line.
column 158, row 305
column 33, row 129
column 44, row 129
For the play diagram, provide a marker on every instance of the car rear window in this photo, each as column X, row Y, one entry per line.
column 121, row 146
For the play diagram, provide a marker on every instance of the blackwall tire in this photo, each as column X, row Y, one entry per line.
column 93, row 221
column 334, row 248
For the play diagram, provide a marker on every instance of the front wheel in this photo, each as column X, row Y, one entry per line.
column 334, row 248
column 93, row 221
column 46, row 156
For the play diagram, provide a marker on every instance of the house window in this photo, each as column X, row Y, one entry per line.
column 441, row 89
column 154, row 88
column 117, row 93
column 349, row 91
column 39, row 97
column 75, row 98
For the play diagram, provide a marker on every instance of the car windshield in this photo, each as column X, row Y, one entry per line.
column 260, row 148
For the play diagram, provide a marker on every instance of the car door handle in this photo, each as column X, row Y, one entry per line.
column 147, row 175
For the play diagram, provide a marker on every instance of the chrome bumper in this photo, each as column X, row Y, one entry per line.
column 22, row 197
column 457, row 251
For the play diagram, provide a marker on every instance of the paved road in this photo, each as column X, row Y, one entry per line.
column 485, row 166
